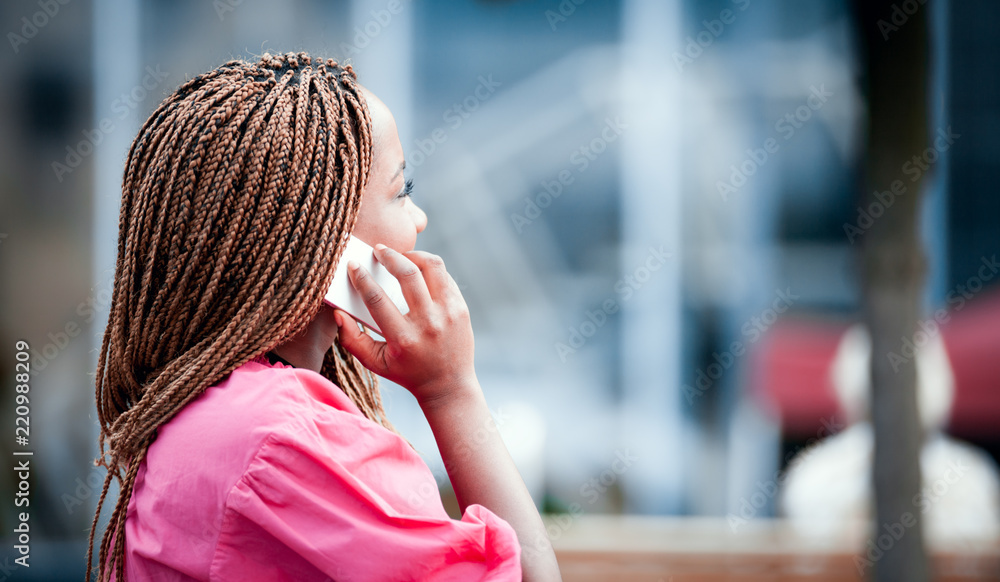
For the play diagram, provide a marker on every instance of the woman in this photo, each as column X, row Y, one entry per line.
column 239, row 411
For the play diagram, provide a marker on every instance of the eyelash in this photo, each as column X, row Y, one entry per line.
column 407, row 190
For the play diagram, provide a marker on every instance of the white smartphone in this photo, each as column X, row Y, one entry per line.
column 343, row 295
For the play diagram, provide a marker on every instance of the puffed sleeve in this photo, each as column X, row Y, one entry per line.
column 341, row 498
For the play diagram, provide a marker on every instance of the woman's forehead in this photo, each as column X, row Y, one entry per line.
column 382, row 121
column 385, row 140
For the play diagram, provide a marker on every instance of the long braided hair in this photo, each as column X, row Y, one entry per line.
column 238, row 196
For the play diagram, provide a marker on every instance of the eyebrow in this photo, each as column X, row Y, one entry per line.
column 401, row 166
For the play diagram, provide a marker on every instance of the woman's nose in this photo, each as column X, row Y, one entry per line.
column 419, row 218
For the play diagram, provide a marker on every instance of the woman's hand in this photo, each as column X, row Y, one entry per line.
column 429, row 351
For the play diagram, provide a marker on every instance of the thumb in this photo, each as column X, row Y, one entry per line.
column 360, row 345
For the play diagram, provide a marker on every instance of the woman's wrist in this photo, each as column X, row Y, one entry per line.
column 449, row 394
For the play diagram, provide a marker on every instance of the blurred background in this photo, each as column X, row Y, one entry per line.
column 655, row 211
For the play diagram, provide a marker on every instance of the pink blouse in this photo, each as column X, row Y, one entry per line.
column 274, row 474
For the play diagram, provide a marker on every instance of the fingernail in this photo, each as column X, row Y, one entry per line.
column 379, row 246
column 353, row 265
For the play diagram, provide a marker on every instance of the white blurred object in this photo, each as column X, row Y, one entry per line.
column 829, row 486
column 522, row 428
column 851, row 377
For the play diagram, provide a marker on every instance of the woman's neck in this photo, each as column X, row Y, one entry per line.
column 308, row 349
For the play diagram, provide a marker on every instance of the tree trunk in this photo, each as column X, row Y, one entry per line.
column 894, row 64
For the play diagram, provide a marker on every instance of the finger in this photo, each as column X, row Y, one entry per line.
column 436, row 276
column 361, row 345
column 383, row 310
column 411, row 280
